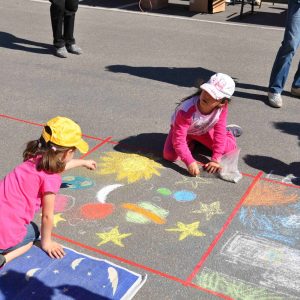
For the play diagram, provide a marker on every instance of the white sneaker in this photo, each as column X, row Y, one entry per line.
column 275, row 99
column 74, row 49
column 295, row 91
column 61, row 52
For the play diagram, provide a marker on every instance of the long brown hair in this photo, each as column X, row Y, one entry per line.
column 47, row 155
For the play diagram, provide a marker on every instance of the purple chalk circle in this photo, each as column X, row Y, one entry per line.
column 184, row 196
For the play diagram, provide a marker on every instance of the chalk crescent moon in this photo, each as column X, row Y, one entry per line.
column 103, row 193
column 113, row 278
column 76, row 262
column 30, row 273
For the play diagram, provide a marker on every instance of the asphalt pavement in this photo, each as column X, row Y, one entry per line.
column 195, row 238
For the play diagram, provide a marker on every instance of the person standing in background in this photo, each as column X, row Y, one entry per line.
column 284, row 57
column 62, row 14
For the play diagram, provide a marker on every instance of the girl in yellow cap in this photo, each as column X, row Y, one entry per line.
column 33, row 184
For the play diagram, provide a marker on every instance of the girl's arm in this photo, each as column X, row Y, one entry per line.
column 218, row 142
column 179, row 138
column 220, row 136
column 74, row 163
column 53, row 249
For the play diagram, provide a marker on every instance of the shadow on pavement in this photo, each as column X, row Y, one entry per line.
column 289, row 128
column 190, row 77
column 185, row 77
column 11, row 41
column 274, row 166
column 149, row 145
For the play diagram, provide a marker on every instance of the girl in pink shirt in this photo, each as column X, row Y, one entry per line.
column 33, row 184
column 202, row 117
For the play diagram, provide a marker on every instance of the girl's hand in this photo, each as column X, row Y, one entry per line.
column 54, row 250
column 90, row 164
column 212, row 167
column 194, row 169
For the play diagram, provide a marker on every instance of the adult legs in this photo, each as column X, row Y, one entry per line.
column 71, row 7
column 57, row 11
column 287, row 50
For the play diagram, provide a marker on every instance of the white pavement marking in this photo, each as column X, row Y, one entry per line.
column 170, row 17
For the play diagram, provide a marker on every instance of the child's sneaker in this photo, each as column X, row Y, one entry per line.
column 2, row 260
column 236, row 130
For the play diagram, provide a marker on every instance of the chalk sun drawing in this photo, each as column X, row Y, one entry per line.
column 129, row 167
column 187, row 230
column 233, row 287
column 145, row 212
column 113, row 236
column 266, row 194
column 77, row 182
column 209, row 210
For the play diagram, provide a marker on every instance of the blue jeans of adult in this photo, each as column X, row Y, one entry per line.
column 32, row 235
column 287, row 50
column 62, row 14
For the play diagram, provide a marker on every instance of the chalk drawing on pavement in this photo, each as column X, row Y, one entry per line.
column 128, row 167
column 113, row 236
column 192, row 182
column 233, row 287
column 209, row 210
column 77, row 182
column 186, row 230
column 278, row 263
column 145, row 212
column 265, row 194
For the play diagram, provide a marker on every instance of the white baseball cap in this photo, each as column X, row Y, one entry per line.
column 219, row 86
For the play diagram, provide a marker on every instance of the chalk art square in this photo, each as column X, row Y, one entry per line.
column 76, row 275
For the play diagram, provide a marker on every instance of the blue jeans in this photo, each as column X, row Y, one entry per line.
column 32, row 235
column 287, row 50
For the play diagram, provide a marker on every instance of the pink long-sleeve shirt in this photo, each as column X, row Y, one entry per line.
column 188, row 120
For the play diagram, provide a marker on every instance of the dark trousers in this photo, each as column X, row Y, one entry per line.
column 62, row 14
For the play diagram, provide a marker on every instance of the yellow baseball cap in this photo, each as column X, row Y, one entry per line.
column 66, row 133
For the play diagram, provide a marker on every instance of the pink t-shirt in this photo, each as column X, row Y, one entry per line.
column 21, row 193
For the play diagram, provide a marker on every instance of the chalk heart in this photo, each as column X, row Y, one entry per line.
column 96, row 211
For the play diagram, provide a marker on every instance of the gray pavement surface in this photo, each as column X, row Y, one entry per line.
column 195, row 238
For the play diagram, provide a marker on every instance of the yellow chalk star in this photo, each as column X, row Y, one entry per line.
column 187, row 229
column 57, row 218
column 209, row 209
column 113, row 236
